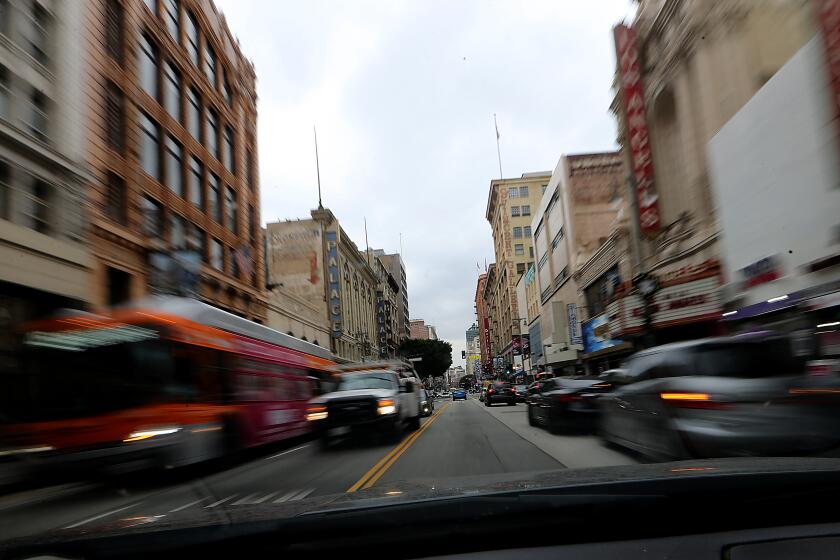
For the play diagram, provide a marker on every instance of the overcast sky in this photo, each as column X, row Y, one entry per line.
column 403, row 95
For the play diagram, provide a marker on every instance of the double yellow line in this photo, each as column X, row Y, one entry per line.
column 369, row 478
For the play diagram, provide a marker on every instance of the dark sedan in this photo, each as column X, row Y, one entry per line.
column 565, row 403
column 427, row 403
column 500, row 392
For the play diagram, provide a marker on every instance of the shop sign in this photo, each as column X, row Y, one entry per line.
column 761, row 272
column 333, row 284
column 382, row 327
column 696, row 299
column 632, row 93
column 526, row 346
column 596, row 334
column 828, row 16
column 516, row 345
column 574, row 331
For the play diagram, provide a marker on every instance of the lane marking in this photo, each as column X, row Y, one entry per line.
column 289, row 451
column 244, row 500
column 223, row 500
column 285, row 497
column 101, row 515
column 265, row 498
column 302, row 495
column 185, row 506
column 393, row 459
column 398, row 449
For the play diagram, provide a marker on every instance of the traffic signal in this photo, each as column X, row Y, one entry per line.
column 463, row 354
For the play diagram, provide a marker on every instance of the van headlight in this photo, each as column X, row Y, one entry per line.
column 316, row 412
column 147, row 433
column 386, row 406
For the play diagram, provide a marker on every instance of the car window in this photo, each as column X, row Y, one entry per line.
column 748, row 360
column 640, row 367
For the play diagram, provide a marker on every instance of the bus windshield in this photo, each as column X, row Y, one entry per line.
column 72, row 374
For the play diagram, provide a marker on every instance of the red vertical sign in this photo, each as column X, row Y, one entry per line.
column 488, row 349
column 630, row 81
column 828, row 14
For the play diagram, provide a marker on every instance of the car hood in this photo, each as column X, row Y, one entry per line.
column 428, row 490
column 339, row 395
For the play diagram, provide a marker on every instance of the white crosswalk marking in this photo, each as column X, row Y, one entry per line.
column 302, row 494
column 285, row 497
column 246, row 500
column 185, row 506
column 265, row 498
column 223, row 500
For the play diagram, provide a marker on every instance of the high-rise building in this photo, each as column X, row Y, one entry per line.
column 44, row 260
column 315, row 262
column 396, row 267
column 173, row 153
column 510, row 208
column 473, row 352
column 419, row 329
column 388, row 304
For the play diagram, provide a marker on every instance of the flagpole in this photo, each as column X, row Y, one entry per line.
column 317, row 167
column 498, row 149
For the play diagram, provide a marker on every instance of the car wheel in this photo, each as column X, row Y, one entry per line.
column 531, row 419
column 486, row 402
column 414, row 423
column 512, row 403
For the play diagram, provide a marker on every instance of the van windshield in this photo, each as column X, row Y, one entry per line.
column 352, row 381
column 748, row 360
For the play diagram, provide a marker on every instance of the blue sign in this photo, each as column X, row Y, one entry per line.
column 333, row 284
column 596, row 335
column 381, row 324
column 574, row 333
column 535, row 341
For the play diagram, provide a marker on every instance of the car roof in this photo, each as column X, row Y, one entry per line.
column 701, row 342
column 367, row 372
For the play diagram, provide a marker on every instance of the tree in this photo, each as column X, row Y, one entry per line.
column 436, row 356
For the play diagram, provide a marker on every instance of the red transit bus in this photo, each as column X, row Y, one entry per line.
column 164, row 382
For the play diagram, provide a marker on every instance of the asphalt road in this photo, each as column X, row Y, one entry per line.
column 462, row 439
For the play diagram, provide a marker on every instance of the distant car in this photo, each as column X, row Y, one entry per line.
column 566, row 402
column 521, row 393
column 500, row 392
column 459, row 394
column 427, row 403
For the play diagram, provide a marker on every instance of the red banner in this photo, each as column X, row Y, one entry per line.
column 630, row 78
column 828, row 14
column 487, row 348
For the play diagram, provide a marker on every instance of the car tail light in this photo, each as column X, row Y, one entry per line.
column 692, row 400
column 513, row 389
column 567, row 398
column 490, row 391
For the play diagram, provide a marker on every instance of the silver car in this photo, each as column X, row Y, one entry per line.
column 719, row 397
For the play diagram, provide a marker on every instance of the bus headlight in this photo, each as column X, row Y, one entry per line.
column 386, row 406
column 317, row 412
column 151, row 432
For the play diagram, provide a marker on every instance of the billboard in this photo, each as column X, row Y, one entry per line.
column 596, row 334
column 334, row 284
column 294, row 256
column 632, row 93
column 574, row 332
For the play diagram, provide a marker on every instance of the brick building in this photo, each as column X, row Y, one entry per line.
column 172, row 147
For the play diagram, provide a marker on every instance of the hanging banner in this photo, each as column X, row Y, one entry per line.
column 638, row 142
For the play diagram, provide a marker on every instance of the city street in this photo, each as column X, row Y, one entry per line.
column 462, row 439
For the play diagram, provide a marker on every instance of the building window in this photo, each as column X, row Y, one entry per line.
column 172, row 9
column 520, row 268
column 226, row 91
column 149, row 146
column 174, row 169
column 252, row 229
column 514, row 211
column 531, row 252
column 210, row 64
column 526, row 210
column 249, row 169
column 527, row 232
column 543, row 260
column 177, row 231
column 113, row 29
column 38, row 35
column 234, row 263
column 115, row 117
column 212, row 133
column 38, row 115
column 6, row 92
column 195, row 240
column 5, row 16
column 230, row 208
column 115, row 201
column 216, row 258
column 513, row 192
column 517, row 232
column 194, row 113
column 35, row 209
column 148, row 66
column 214, row 194
column 196, row 193
column 227, row 155
column 561, row 277
column 519, row 249
column 192, row 39
column 543, row 188
column 523, row 192
column 556, row 241
column 152, row 217
column 172, row 91
column 5, row 188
